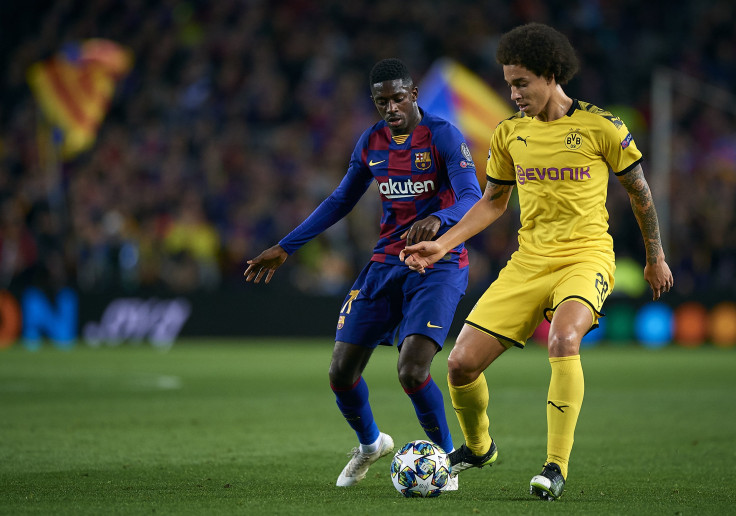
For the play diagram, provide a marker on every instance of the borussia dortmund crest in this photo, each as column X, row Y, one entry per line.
column 423, row 160
column 573, row 140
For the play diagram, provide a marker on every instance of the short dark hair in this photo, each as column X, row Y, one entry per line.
column 389, row 70
column 541, row 49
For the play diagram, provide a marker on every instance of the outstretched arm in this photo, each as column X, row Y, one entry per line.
column 335, row 207
column 656, row 271
column 483, row 213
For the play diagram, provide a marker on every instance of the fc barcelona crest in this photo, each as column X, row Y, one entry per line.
column 423, row 160
column 341, row 322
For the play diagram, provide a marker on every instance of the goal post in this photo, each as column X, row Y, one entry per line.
column 665, row 82
column 661, row 149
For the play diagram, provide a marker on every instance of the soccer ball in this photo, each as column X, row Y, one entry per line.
column 420, row 469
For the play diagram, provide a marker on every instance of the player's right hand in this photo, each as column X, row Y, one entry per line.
column 265, row 263
column 421, row 255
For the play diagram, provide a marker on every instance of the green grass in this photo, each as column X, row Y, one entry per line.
column 251, row 427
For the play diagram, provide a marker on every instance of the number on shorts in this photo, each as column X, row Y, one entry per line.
column 601, row 285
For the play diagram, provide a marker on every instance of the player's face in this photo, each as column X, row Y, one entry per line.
column 396, row 102
column 530, row 92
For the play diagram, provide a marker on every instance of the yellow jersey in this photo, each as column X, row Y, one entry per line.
column 561, row 170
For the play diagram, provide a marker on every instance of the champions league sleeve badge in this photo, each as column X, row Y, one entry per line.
column 466, row 153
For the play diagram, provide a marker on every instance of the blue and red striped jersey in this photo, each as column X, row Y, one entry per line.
column 427, row 172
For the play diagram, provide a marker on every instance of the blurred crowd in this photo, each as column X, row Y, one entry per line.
column 239, row 117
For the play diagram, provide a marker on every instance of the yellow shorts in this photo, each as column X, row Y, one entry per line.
column 530, row 288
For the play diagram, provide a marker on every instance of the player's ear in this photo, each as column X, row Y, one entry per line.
column 414, row 93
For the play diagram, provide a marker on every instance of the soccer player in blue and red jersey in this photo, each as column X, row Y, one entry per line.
column 426, row 180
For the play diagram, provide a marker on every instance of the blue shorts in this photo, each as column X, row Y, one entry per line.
column 390, row 301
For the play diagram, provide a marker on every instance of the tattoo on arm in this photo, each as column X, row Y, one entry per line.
column 495, row 191
column 642, row 204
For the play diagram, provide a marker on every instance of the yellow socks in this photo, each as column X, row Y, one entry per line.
column 565, row 397
column 564, row 400
column 470, row 403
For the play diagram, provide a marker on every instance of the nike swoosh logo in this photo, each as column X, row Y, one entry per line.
column 430, row 325
column 372, row 163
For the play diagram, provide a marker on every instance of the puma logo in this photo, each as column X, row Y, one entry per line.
column 522, row 140
column 558, row 407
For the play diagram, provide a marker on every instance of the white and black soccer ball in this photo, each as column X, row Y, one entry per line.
column 420, row 469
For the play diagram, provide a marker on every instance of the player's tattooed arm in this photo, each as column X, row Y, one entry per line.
column 656, row 271
column 642, row 204
column 495, row 191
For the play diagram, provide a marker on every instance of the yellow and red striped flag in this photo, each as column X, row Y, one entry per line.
column 458, row 95
column 74, row 88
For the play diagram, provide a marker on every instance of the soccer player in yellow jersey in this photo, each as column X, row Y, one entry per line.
column 558, row 152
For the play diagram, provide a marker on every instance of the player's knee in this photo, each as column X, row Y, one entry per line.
column 563, row 343
column 412, row 375
column 461, row 369
column 342, row 377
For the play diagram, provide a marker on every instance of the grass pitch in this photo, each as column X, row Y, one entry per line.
column 251, row 427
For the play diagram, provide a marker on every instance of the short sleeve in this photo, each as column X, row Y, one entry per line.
column 500, row 165
column 618, row 147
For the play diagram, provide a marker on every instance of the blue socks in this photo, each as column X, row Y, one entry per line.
column 428, row 405
column 430, row 408
column 353, row 403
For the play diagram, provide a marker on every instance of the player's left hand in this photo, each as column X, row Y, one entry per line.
column 422, row 230
column 659, row 276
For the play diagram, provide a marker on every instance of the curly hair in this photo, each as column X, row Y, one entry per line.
column 389, row 70
column 540, row 49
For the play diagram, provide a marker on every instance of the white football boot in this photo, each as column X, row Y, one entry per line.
column 451, row 483
column 357, row 467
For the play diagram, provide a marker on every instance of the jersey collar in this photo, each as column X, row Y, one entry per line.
column 575, row 105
